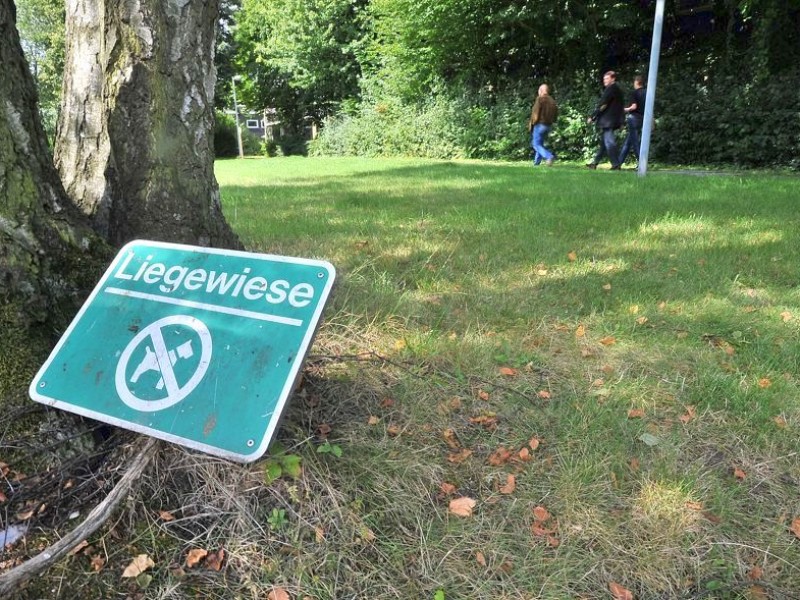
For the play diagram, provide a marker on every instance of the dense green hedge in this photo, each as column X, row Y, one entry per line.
column 697, row 122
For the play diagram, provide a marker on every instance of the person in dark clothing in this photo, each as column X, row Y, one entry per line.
column 634, row 120
column 608, row 117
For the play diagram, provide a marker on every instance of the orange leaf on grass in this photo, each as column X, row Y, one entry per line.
column 215, row 559
column 764, row 383
column 508, row 371
column 540, row 513
column 636, row 413
column 500, row 456
column 795, row 528
column 609, row 340
column 691, row 411
column 373, row 420
column 462, row 507
column 195, row 556
column 534, row 443
column 138, row 565
column 483, row 395
column 447, row 488
column 572, row 256
column 166, row 515
column 278, row 593
column 510, row 486
column 738, row 473
column 459, row 457
column 780, row 421
column 480, row 559
column 786, row 316
column 543, row 394
column 524, row 455
column 451, row 439
column 619, row 592
column 580, row 331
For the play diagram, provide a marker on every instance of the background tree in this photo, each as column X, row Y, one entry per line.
column 300, row 56
column 41, row 29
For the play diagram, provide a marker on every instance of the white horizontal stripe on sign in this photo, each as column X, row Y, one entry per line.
column 249, row 314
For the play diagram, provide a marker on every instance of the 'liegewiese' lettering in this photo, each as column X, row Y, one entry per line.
column 168, row 279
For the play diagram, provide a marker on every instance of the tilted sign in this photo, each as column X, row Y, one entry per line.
column 197, row 346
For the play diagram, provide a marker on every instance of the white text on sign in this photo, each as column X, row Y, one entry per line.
column 171, row 278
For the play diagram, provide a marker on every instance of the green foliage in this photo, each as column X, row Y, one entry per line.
column 277, row 519
column 226, row 144
column 280, row 463
column 41, row 28
column 327, row 448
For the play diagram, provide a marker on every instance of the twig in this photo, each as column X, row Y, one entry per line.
column 14, row 578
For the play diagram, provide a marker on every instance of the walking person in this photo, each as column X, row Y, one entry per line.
column 608, row 117
column 634, row 120
column 543, row 115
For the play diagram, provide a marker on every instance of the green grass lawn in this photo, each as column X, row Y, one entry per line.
column 606, row 364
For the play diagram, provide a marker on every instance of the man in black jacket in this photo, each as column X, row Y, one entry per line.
column 608, row 117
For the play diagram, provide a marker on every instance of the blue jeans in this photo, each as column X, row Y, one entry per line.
column 632, row 140
column 608, row 145
column 538, row 140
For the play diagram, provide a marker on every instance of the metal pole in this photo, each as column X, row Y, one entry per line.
column 652, row 79
column 236, row 112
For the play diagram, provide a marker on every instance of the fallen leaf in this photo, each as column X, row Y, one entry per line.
column 572, row 256
column 609, row 340
column 488, row 421
column 483, row 395
column 373, row 420
column 795, row 528
column 462, row 507
column 387, row 403
column 97, row 563
column 459, row 457
column 543, row 394
column 508, row 371
column 553, row 541
column 524, row 455
column 451, row 439
column 393, row 430
column 786, row 316
column 194, row 557
column 541, row 514
column 215, row 559
column 510, row 486
column 739, row 474
column 689, row 415
column 324, row 430
column 138, row 566
column 757, row 592
column 607, row 287
column 534, row 443
column 480, row 559
column 447, row 488
column 636, row 413
column 500, row 456
column 764, row 383
column 319, row 534
column 755, row 573
column 619, row 592
column 79, row 547
column 634, row 464
column 780, row 421
column 166, row 515
column 580, row 331
column 693, row 505
column 278, row 593
column 642, row 320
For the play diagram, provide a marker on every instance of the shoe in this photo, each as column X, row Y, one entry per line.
column 591, row 166
column 549, row 162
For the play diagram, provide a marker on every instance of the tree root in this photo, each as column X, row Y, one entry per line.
column 14, row 578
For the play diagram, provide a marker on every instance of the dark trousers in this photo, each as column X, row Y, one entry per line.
column 608, row 145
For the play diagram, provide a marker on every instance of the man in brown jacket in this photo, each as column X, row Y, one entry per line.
column 543, row 115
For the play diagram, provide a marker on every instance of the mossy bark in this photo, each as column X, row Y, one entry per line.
column 45, row 242
column 135, row 140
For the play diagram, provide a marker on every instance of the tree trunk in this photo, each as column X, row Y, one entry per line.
column 135, row 139
column 40, row 229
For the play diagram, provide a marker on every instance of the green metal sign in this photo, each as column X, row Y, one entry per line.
column 197, row 346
